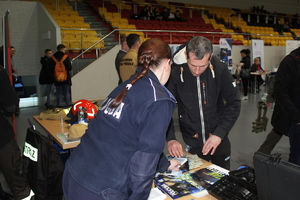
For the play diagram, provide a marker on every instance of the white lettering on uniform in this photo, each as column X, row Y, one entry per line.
column 108, row 110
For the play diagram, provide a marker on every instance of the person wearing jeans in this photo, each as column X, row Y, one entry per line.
column 63, row 88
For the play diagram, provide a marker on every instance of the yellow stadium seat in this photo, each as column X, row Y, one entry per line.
column 69, row 21
column 86, row 43
column 66, row 42
column 124, row 21
column 74, row 25
column 69, row 37
column 90, row 33
column 130, row 26
column 84, row 25
column 116, row 15
column 64, row 25
column 115, row 24
column 79, row 19
column 73, row 12
column 79, row 34
column 75, row 44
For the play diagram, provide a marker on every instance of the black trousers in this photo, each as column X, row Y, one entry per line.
column 245, row 86
column 10, row 158
column 272, row 139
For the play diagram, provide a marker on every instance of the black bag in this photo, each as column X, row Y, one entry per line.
column 245, row 73
column 276, row 179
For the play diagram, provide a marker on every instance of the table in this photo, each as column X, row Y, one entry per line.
column 53, row 128
column 255, row 77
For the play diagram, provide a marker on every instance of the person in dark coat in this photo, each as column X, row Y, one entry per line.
column 245, row 53
column 208, row 102
column 63, row 88
column 47, row 75
column 286, row 114
column 10, row 155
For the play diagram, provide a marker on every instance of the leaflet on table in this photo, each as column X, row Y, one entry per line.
column 156, row 194
column 65, row 139
column 183, row 168
column 193, row 183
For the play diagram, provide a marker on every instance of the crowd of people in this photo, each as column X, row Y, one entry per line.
column 127, row 136
column 152, row 13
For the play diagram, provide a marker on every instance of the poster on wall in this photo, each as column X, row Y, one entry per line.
column 291, row 45
column 225, row 51
column 257, row 51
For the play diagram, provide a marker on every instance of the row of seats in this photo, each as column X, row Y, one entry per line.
column 73, row 25
column 78, row 34
column 67, row 18
column 77, row 45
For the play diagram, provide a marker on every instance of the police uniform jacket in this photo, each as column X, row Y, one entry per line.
column 119, row 154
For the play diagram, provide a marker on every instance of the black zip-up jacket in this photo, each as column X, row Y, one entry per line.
column 287, row 93
column 211, row 106
column 47, row 71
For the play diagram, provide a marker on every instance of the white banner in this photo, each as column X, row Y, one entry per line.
column 258, row 51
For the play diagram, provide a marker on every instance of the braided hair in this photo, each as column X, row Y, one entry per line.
column 150, row 55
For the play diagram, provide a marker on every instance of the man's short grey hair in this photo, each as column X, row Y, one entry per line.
column 200, row 46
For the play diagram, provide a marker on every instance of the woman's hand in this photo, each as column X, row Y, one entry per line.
column 175, row 165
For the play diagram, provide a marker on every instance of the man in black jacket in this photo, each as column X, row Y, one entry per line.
column 208, row 102
column 47, row 74
column 10, row 155
column 64, row 87
column 286, row 115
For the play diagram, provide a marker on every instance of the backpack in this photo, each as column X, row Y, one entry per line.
column 60, row 72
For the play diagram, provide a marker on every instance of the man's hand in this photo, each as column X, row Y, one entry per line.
column 175, row 148
column 211, row 144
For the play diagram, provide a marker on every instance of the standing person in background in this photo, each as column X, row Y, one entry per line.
column 246, row 65
column 274, row 136
column 10, row 155
column 286, row 114
column 122, row 52
column 122, row 148
column 63, row 88
column 129, row 62
column 47, row 75
column 208, row 102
